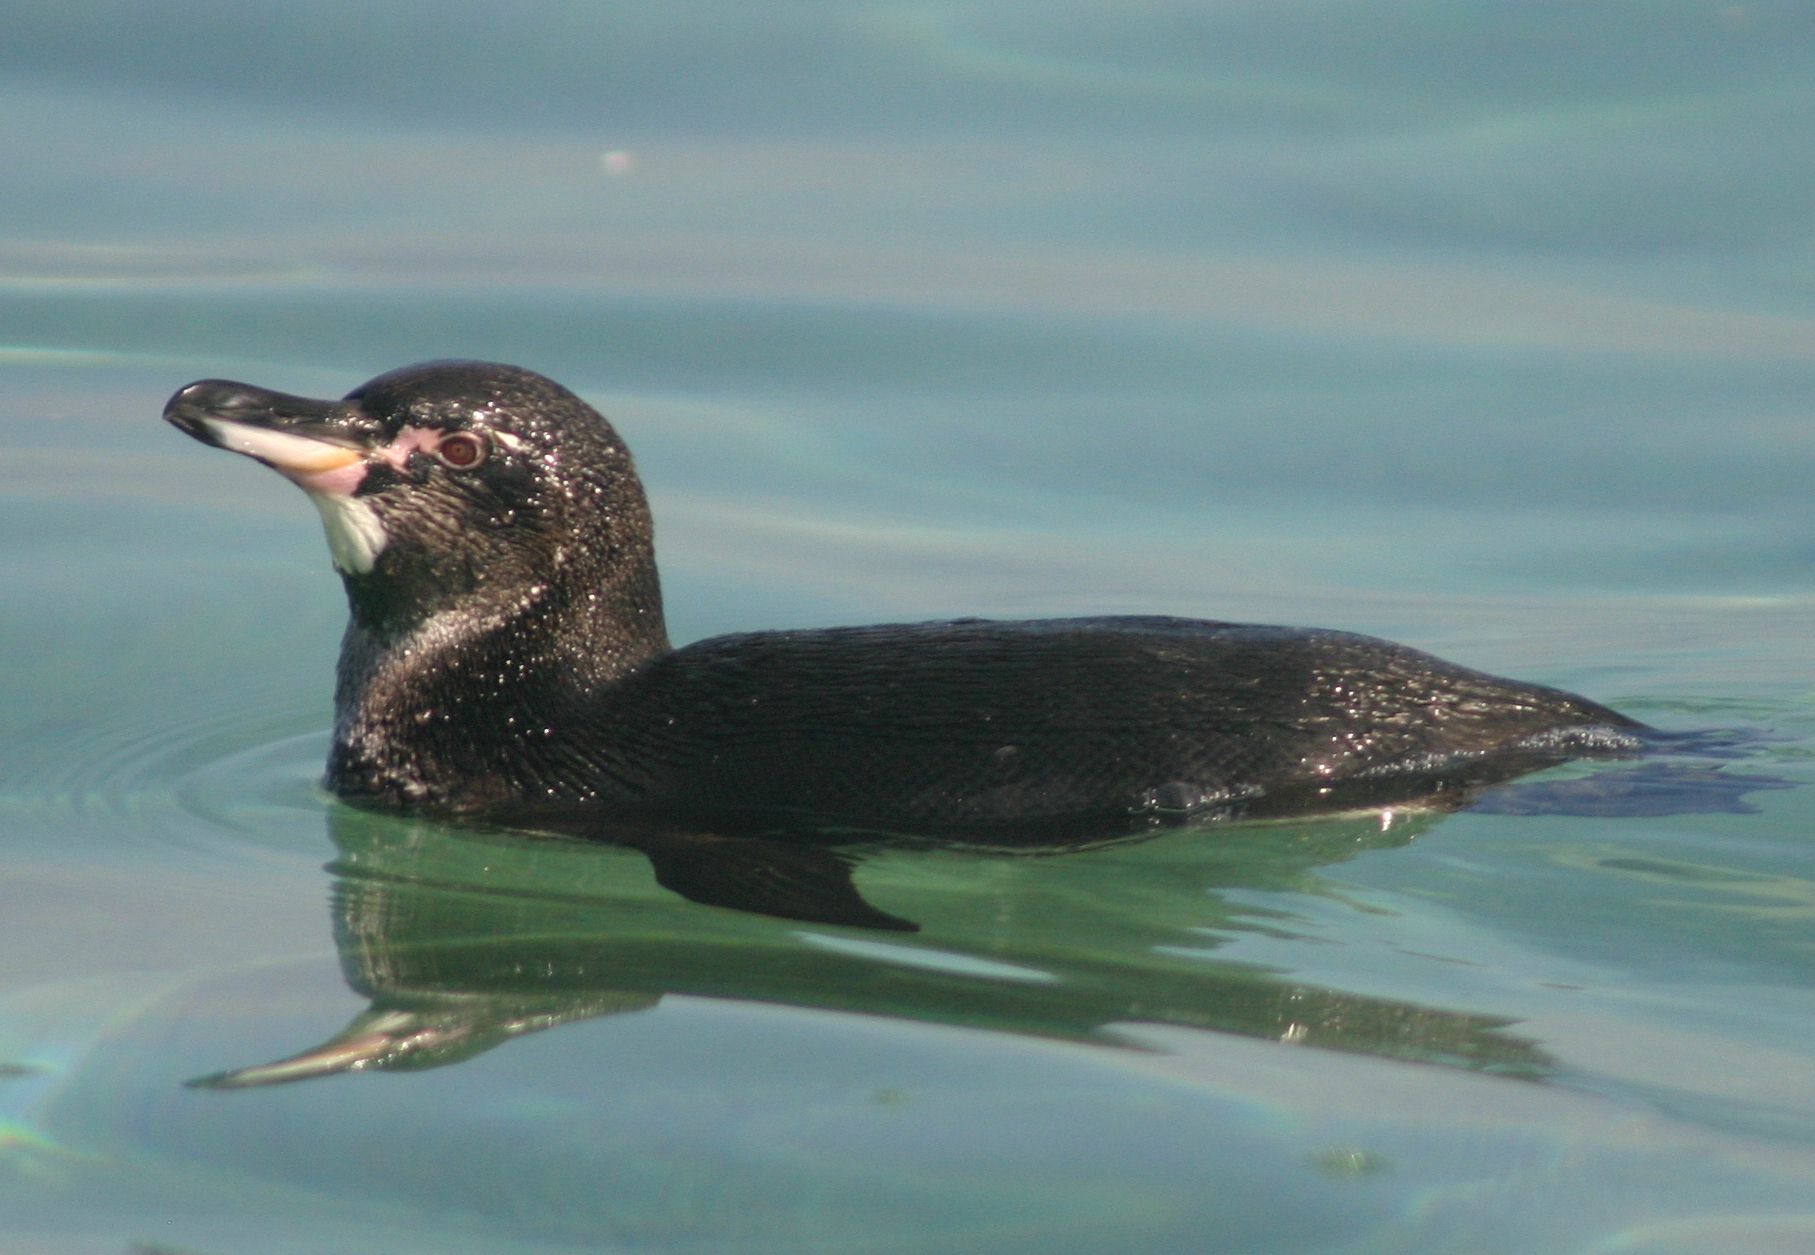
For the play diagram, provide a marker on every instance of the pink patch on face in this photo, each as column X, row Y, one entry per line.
column 409, row 440
column 343, row 480
column 339, row 481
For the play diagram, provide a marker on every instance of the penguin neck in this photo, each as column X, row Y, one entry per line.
column 459, row 708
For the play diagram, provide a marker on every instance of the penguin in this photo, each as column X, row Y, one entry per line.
column 506, row 661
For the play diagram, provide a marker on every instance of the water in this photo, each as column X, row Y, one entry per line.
column 1482, row 327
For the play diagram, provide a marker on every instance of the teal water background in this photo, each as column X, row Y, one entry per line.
column 1490, row 328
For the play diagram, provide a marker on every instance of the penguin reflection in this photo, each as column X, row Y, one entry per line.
column 463, row 940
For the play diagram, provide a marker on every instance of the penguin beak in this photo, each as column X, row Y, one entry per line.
column 325, row 448
column 320, row 445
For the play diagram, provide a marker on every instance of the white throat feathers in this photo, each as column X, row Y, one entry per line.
column 355, row 535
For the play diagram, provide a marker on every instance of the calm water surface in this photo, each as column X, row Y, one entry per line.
column 1488, row 328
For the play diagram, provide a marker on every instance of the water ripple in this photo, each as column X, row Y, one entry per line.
column 237, row 783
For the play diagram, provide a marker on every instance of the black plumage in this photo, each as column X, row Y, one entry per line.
column 506, row 658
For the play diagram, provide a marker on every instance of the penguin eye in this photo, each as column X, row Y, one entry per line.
column 461, row 450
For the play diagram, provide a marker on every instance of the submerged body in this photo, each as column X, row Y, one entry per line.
column 507, row 659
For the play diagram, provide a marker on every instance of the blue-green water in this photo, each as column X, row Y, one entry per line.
column 1490, row 328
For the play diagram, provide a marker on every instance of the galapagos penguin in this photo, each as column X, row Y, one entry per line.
column 506, row 662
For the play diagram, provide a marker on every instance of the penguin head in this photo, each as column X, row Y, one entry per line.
column 444, row 482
